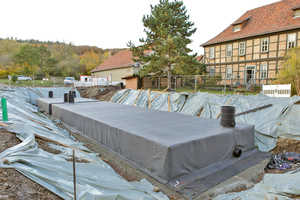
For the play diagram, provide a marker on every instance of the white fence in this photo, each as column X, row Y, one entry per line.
column 277, row 90
column 88, row 81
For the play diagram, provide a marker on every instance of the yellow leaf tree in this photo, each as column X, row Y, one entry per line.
column 290, row 71
column 90, row 60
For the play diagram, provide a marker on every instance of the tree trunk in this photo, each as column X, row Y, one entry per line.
column 169, row 78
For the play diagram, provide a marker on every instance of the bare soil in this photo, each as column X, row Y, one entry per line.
column 102, row 93
column 13, row 184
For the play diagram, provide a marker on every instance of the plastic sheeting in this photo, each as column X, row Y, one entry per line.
column 95, row 180
column 37, row 92
column 273, row 186
column 279, row 120
column 141, row 99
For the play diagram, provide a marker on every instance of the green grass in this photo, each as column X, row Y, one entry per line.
column 37, row 83
column 190, row 90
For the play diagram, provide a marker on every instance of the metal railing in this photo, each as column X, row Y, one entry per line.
column 190, row 83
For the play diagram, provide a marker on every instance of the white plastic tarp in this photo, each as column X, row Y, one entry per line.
column 273, row 186
column 141, row 99
column 268, row 126
column 37, row 92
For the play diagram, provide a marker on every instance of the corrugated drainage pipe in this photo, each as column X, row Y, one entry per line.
column 227, row 116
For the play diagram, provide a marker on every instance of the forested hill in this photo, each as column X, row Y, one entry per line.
column 78, row 49
column 49, row 58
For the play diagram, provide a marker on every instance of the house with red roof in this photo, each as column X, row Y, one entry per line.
column 116, row 67
column 250, row 50
column 120, row 67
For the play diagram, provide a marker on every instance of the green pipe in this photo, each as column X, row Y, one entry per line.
column 4, row 109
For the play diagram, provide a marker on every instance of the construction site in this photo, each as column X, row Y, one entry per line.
column 108, row 143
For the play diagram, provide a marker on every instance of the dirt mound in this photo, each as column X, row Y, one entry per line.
column 103, row 93
column 286, row 145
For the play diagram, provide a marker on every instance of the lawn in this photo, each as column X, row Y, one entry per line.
column 189, row 90
column 35, row 83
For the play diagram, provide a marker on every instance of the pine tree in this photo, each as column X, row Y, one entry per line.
column 168, row 31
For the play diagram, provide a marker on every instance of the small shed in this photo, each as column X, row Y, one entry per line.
column 133, row 82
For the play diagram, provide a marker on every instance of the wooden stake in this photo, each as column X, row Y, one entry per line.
column 225, row 105
column 137, row 96
column 123, row 97
column 254, row 110
column 159, row 94
column 36, row 92
column 149, row 102
column 74, row 175
column 169, row 106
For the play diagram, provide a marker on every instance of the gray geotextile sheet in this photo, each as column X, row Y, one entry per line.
column 94, row 178
column 166, row 145
column 280, row 120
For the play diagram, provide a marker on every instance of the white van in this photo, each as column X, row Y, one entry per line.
column 69, row 80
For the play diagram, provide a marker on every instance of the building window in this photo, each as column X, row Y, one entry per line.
column 263, row 71
column 242, row 48
column 228, row 72
column 211, row 52
column 212, row 71
column 296, row 13
column 228, row 50
column 236, row 27
column 291, row 40
column 264, row 45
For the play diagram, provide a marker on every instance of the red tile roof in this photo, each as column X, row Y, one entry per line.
column 119, row 60
column 199, row 58
column 263, row 20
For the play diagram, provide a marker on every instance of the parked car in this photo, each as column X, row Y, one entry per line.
column 24, row 78
column 69, row 80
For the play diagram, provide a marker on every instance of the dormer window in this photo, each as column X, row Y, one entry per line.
column 296, row 13
column 239, row 24
column 236, row 27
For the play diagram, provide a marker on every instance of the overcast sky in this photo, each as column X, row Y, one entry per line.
column 110, row 23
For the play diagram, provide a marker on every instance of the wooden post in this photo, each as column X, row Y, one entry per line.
column 149, row 102
column 137, row 96
column 123, row 97
column 159, row 94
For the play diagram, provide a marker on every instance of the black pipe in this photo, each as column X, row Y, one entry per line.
column 50, row 95
column 227, row 116
column 66, row 97
column 71, row 98
column 237, row 152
